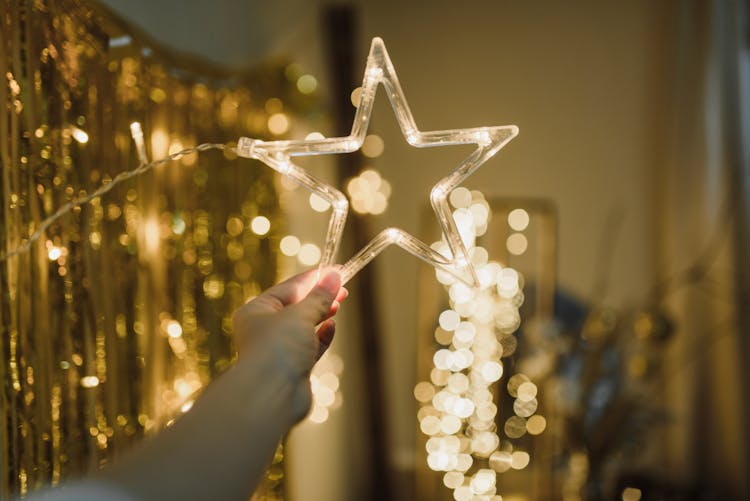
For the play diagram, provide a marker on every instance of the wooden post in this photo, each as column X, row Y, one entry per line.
column 343, row 60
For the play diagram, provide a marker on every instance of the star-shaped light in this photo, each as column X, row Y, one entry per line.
column 278, row 155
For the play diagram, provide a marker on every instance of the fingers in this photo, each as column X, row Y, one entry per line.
column 332, row 310
column 325, row 335
column 343, row 293
column 288, row 292
column 284, row 293
column 316, row 306
column 297, row 301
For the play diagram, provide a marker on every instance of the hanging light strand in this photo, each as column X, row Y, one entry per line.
column 102, row 190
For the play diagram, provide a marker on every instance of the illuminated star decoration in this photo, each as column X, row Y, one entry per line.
column 380, row 70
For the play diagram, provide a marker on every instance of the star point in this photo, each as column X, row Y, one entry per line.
column 380, row 70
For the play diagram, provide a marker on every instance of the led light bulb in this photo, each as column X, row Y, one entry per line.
column 140, row 146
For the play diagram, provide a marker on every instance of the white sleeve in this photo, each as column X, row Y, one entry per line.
column 81, row 491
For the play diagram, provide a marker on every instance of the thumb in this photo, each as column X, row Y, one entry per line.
column 316, row 305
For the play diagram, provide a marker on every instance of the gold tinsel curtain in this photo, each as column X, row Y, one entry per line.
column 120, row 312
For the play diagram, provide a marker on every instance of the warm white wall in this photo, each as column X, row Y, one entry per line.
column 576, row 77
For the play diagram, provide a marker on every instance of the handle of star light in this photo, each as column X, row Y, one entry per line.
column 282, row 163
column 411, row 244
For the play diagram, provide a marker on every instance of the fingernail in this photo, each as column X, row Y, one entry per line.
column 331, row 283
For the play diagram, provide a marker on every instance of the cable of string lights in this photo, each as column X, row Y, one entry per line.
column 142, row 168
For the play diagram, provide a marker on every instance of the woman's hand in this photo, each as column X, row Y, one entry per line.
column 292, row 322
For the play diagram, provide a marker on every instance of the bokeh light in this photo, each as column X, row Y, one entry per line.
column 518, row 219
column 260, row 225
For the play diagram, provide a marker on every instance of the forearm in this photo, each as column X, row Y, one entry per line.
column 222, row 446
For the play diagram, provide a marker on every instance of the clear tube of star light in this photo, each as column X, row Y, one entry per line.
column 411, row 244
